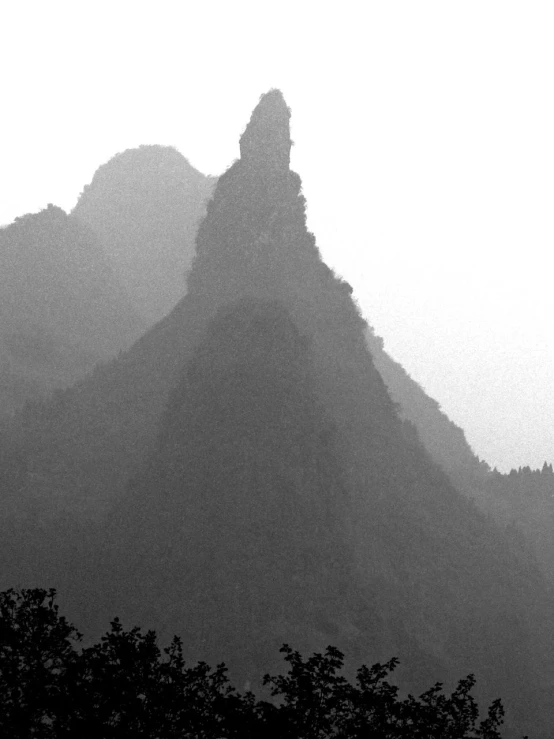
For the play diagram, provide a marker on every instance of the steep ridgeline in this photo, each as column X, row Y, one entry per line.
column 146, row 204
column 61, row 307
column 522, row 499
column 445, row 442
column 259, row 484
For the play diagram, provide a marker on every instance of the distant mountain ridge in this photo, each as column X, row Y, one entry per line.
column 522, row 500
column 145, row 204
column 79, row 288
column 62, row 309
column 443, row 439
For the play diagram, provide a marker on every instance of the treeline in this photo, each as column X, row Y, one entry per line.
column 125, row 686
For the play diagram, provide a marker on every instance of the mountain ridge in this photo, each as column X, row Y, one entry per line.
column 63, row 309
column 155, row 437
column 145, row 204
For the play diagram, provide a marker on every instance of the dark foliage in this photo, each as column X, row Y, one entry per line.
column 124, row 686
column 36, row 655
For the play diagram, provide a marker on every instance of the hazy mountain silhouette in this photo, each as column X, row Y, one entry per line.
column 145, row 204
column 238, row 528
column 62, row 308
column 522, row 499
column 253, row 481
column 445, row 441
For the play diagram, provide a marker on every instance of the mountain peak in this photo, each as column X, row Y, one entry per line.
column 266, row 139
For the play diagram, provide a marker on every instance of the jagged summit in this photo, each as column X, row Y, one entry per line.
column 266, row 138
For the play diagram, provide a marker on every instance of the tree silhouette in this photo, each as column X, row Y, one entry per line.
column 317, row 702
column 36, row 651
column 125, row 687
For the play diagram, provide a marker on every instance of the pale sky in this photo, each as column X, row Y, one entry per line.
column 424, row 136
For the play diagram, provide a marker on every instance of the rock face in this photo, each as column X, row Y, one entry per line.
column 145, row 204
column 251, row 478
column 62, row 308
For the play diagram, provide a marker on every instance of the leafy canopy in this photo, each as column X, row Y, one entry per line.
column 126, row 686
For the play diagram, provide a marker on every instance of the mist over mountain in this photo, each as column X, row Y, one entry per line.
column 242, row 476
column 62, row 307
column 145, row 204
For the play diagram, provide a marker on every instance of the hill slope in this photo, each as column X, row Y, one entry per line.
column 522, row 499
column 259, row 483
column 444, row 441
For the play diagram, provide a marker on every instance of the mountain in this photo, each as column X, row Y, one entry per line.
column 62, row 308
column 522, row 500
column 241, row 475
column 444, row 441
column 78, row 289
column 239, row 522
column 145, row 204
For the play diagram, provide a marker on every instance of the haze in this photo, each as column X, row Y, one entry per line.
column 423, row 136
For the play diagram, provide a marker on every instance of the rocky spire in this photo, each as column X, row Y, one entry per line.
column 266, row 140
